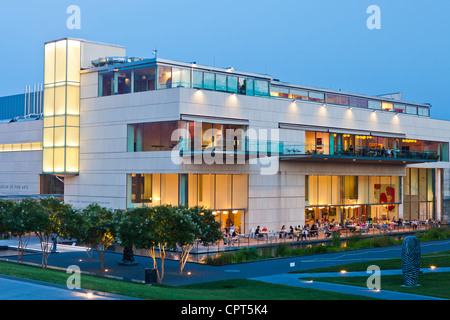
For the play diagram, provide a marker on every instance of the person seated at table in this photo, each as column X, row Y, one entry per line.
column 314, row 230
column 283, row 232
column 349, row 226
column 291, row 232
column 258, row 232
column 264, row 229
column 327, row 231
column 296, row 233
column 305, row 232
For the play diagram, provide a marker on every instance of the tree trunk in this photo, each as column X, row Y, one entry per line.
column 128, row 256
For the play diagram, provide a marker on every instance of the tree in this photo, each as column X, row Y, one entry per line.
column 19, row 223
column 189, row 226
column 98, row 229
column 152, row 233
column 47, row 223
column 128, row 225
column 6, row 208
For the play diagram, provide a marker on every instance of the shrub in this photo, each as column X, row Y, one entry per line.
column 282, row 250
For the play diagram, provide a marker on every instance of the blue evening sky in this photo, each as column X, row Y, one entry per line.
column 322, row 43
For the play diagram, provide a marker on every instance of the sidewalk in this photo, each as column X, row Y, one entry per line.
column 301, row 280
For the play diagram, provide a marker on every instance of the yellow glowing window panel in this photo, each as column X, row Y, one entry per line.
column 73, row 60
column 387, row 106
column 60, row 137
column 60, row 121
column 59, row 159
column 20, row 147
column 60, row 101
column 49, row 122
column 61, row 61
column 48, row 137
column 47, row 160
column 73, row 100
column 73, row 137
column 73, row 121
column 72, row 162
column 49, row 102
column 49, row 73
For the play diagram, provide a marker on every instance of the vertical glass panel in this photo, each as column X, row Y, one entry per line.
column 197, row 81
column 193, row 190
column 221, row 82
column 73, row 60
column 298, row 94
column 156, row 189
column 73, row 100
column 242, row 86
column 399, row 108
column 324, row 190
column 375, row 189
column 358, row 102
column 124, row 81
column 60, row 100
column 59, row 159
column 48, row 160
column 250, row 87
column 169, row 189
column 60, row 121
column 72, row 156
column 167, row 129
column 262, row 88
column 181, row 77
column 209, row 81
column 49, row 101
column 223, row 192
column 50, row 51
column 206, row 191
column 232, row 84
column 106, row 84
column 73, row 136
column 240, row 191
column 49, row 122
column 430, row 184
column 164, row 77
column 144, row 79
column 151, row 137
column 61, row 55
column 60, row 134
column 313, row 191
column 423, row 184
column 48, row 137
column 73, row 121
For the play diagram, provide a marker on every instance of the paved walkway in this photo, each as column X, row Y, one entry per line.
column 303, row 280
column 196, row 273
column 24, row 289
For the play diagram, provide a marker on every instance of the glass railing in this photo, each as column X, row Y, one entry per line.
column 357, row 152
column 244, row 146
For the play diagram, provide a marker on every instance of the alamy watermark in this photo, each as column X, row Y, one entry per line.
column 74, row 20
column 374, row 280
column 374, row 20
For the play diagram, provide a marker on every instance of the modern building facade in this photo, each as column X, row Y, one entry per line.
column 129, row 132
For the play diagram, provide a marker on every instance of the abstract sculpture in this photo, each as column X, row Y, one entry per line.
column 411, row 261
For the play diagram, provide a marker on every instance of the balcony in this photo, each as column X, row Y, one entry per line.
column 302, row 152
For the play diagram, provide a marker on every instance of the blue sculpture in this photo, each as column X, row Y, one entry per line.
column 411, row 261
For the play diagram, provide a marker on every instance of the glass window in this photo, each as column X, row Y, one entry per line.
column 209, row 81
column 316, row 96
column 261, row 88
column 374, row 105
column 385, row 106
column 151, row 137
column 337, row 99
column 358, row 102
column 250, row 87
column 167, row 129
column 279, row 92
column 298, row 94
column 164, row 77
column 221, row 82
column 232, row 84
column 144, row 79
column 197, row 81
column 242, row 86
column 106, row 84
column 411, row 110
column 399, row 108
column 424, row 112
column 181, row 78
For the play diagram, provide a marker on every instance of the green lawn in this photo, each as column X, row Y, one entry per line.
column 432, row 284
column 237, row 289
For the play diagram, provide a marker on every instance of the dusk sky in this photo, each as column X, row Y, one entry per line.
column 320, row 43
